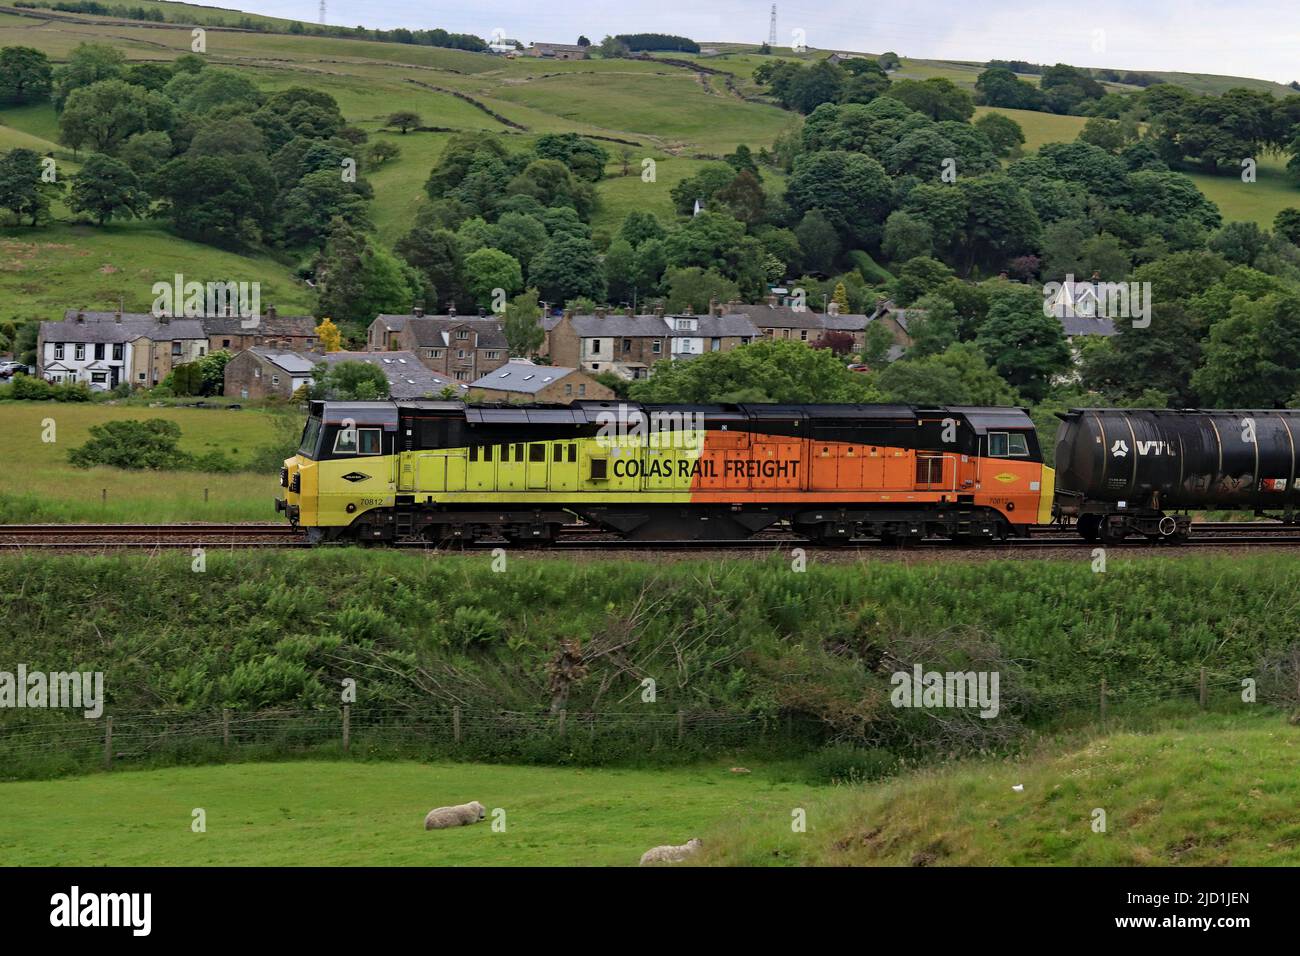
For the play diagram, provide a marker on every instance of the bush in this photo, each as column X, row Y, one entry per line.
column 841, row 763
column 132, row 444
column 24, row 387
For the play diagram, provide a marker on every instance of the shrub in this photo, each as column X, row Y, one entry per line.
column 132, row 444
column 841, row 763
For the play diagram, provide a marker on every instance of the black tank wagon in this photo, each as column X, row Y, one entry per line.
column 1121, row 471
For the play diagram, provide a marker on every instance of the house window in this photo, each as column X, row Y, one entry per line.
column 176, row 349
column 58, row 350
column 203, row 350
column 462, row 376
column 494, row 354
column 460, row 353
column 243, row 392
column 99, row 378
column 1008, row 445
column 656, row 347
column 435, row 353
column 225, row 343
column 462, row 334
column 117, row 352
column 595, row 346
column 99, row 351
column 715, row 345
column 568, row 389
column 80, row 353
column 627, row 345
column 257, row 373
column 275, row 380
column 685, row 325
column 582, row 390
column 803, row 335
column 142, row 379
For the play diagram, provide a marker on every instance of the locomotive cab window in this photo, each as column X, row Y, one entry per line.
column 358, row 441
column 1008, row 445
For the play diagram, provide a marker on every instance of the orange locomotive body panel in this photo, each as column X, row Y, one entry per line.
column 756, row 469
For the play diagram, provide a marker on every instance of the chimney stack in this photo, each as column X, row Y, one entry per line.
column 689, row 310
column 451, row 309
column 417, row 311
column 482, row 312
column 568, row 313
column 81, row 317
column 600, row 312
column 659, row 311
column 627, row 310
column 714, row 308
column 832, row 308
column 771, row 300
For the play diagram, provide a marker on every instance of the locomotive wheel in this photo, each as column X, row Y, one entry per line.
column 1112, row 534
column 1089, row 527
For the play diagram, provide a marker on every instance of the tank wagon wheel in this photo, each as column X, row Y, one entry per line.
column 1090, row 527
column 1112, row 534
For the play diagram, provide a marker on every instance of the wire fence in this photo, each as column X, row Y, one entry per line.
column 47, row 741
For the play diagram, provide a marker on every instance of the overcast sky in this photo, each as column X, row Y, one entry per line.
column 1259, row 38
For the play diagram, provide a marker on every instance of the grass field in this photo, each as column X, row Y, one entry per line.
column 41, row 471
column 372, row 814
column 1212, row 791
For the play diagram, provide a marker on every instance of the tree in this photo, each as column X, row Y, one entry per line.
column 957, row 376
column 744, row 198
column 487, row 270
column 383, row 151
column 358, row 280
column 768, row 371
column 212, row 371
column 104, row 114
column 852, row 190
column 612, row 48
column 906, row 237
column 1002, row 132
column 404, row 120
column 133, row 444
column 25, row 76
column 106, row 189
column 640, row 225
column 620, row 271
column 937, row 98
column 1103, row 133
column 436, row 255
column 693, row 288
column 710, row 240
column 1000, row 87
column 566, row 268
column 551, row 183
column 585, row 159
column 208, row 198
column 521, row 235
column 307, row 209
column 841, row 298
column 349, row 381
column 1024, row 346
column 327, row 333
column 917, row 277
column 88, row 63
column 1251, row 358
column 876, row 344
column 933, row 326
column 1239, row 242
column 23, row 190
column 523, row 330
column 1287, row 224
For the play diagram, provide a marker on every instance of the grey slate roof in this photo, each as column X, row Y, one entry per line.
column 104, row 327
column 295, row 325
column 621, row 325
column 523, row 377
column 433, row 331
column 786, row 317
column 295, row 363
column 407, row 378
column 1087, row 325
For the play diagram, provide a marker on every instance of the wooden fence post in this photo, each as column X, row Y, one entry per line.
column 225, row 727
column 108, row 743
column 1103, row 698
column 455, row 724
column 1205, row 699
column 347, row 727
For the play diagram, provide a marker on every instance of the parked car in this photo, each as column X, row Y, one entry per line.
column 8, row 368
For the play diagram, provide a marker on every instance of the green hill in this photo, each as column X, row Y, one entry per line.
column 1210, row 792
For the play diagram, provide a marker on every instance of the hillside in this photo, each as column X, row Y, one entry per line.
column 1209, row 792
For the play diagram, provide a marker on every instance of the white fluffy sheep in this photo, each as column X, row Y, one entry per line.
column 440, row 818
column 670, row 854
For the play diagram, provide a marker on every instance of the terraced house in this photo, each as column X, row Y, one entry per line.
column 105, row 349
column 459, row 348
column 629, row 345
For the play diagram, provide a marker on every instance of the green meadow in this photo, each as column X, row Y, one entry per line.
column 40, row 485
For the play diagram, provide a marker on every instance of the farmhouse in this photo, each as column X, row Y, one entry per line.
column 407, row 376
column 268, row 373
column 516, row 381
column 629, row 345
column 558, row 51
column 461, row 349
column 105, row 349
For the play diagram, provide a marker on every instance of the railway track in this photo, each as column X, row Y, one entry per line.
column 578, row 538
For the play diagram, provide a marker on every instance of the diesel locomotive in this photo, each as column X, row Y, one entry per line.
column 444, row 471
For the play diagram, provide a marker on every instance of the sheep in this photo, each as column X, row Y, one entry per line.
column 670, row 854
column 440, row 818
